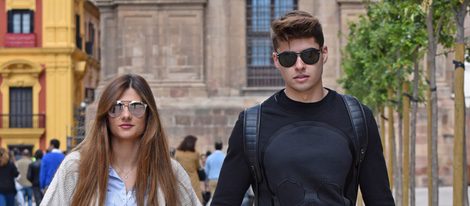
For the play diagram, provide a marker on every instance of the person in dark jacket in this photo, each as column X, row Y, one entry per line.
column 33, row 176
column 8, row 173
column 305, row 147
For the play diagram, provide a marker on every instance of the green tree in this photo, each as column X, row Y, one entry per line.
column 439, row 29
column 382, row 49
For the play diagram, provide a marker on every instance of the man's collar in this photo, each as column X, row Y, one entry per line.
column 56, row 150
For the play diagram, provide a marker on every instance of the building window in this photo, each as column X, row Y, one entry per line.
column 20, row 21
column 89, row 95
column 260, row 13
column 78, row 38
column 90, row 39
column 21, row 107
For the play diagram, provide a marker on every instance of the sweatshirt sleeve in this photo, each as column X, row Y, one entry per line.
column 187, row 196
column 235, row 176
column 373, row 178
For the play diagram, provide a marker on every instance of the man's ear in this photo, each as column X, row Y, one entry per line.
column 276, row 62
column 324, row 51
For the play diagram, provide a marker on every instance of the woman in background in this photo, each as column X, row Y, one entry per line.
column 187, row 156
column 124, row 160
column 8, row 173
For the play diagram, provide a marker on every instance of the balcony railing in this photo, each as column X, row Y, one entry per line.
column 23, row 121
column 20, row 40
column 264, row 76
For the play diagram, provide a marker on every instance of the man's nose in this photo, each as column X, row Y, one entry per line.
column 299, row 64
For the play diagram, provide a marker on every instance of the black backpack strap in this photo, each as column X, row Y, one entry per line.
column 358, row 121
column 361, row 138
column 250, row 140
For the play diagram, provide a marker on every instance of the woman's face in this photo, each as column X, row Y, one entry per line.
column 127, row 125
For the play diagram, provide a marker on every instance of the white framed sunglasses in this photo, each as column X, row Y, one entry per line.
column 136, row 108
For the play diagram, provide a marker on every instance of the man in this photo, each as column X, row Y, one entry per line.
column 304, row 147
column 33, row 176
column 213, row 165
column 50, row 163
column 22, row 164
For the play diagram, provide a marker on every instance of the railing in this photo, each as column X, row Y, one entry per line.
column 264, row 77
column 23, row 121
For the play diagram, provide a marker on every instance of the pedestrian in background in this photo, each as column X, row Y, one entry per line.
column 8, row 173
column 26, row 186
column 188, row 157
column 125, row 159
column 214, row 165
column 33, row 176
column 50, row 163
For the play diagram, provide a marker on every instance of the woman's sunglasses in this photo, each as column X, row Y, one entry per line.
column 136, row 108
column 309, row 56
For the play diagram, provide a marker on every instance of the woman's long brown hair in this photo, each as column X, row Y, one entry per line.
column 4, row 157
column 154, row 168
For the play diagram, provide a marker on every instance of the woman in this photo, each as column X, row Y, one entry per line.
column 187, row 156
column 124, row 160
column 8, row 173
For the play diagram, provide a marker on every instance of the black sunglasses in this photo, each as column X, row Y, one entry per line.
column 136, row 108
column 309, row 56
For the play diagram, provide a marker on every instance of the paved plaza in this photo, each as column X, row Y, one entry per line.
column 445, row 196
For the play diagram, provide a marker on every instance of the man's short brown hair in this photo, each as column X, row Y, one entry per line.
column 296, row 24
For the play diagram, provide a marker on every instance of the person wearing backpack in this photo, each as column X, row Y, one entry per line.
column 306, row 144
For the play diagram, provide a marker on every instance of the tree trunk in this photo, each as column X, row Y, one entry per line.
column 460, row 183
column 433, row 178
column 382, row 127
column 414, row 113
column 399, row 162
column 391, row 142
column 406, row 144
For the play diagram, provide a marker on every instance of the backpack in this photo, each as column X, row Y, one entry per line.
column 251, row 124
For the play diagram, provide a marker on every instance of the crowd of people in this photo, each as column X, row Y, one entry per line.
column 25, row 178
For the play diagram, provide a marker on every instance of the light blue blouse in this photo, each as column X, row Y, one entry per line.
column 116, row 194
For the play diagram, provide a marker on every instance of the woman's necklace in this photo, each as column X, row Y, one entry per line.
column 124, row 174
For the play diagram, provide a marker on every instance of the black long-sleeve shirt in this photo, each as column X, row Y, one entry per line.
column 8, row 173
column 315, row 169
column 33, row 172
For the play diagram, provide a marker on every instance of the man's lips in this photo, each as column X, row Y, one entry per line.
column 301, row 76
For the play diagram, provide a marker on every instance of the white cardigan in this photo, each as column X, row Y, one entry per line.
column 63, row 185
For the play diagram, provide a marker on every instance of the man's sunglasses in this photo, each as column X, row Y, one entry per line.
column 136, row 108
column 309, row 56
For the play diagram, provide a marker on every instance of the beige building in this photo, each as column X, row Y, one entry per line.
column 207, row 60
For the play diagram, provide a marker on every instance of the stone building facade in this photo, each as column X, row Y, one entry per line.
column 202, row 60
